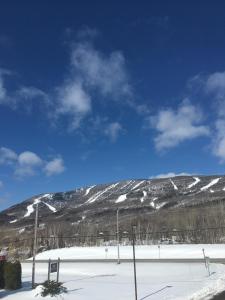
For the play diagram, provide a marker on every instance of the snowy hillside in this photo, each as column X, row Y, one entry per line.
column 95, row 203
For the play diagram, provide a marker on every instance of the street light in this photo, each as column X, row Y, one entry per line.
column 134, row 261
column 35, row 246
column 118, row 236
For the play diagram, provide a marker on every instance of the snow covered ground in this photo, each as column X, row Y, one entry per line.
column 109, row 281
column 151, row 251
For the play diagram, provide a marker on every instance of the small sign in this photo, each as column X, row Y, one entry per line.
column 53, row 267
column 2, row 257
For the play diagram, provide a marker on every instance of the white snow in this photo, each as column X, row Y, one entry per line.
column 53, row 209
column 152, row 203
column 21, row 230
column 88, row 190
column 99, row 194
column 197, row 180
column 174, row 185
column 137, row 185
column 212, row 182
column 13, row 221
column 159, row 205
column 144, row 196
column 125, row 185
column 30, row 208
column 212, row 191
column 148, row 251
column 110, row 281
column 121, row 198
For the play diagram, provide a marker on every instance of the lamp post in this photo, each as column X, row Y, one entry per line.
column 134, row 261
column 35, row 246
column 118, row 236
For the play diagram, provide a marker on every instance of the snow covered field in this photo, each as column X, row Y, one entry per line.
column 165, row 251
column 109, row 281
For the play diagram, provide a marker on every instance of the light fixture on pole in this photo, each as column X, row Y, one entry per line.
column 134, row 261
column 118, row 236
column 34, row 246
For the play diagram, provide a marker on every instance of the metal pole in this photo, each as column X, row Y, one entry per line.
column 118, row 236
column 203, row 250
column 58, row 270
column 49, row 267
column 34, row 246
column 134, row 262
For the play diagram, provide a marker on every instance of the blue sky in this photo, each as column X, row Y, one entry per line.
column 94, row 92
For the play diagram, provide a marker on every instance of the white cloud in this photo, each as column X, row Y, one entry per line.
column 74, row 101
column 215, row 83
column 29, row 158
column 170, row 174
column 214, row 86
column 21, row 96
column 113, row 130
column 54, row 167
column 106, row 74
column 175, row 127
column 29, row 93
column 92, row 74
column 29, row 163
column 219, row 140
column 7, row 156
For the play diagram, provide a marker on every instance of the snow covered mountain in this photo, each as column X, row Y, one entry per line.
column 95, row 203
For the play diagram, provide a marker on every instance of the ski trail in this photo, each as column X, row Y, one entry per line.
column 174, row 185
column 137, row 185
column 88, row 190
column 121, row 198
column 212, row 182
column 144, row 196
column 99, row 194
column 197, row 180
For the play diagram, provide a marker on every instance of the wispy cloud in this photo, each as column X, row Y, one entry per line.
column 170, row 174
column 113, row 130
column 54, row 167
column 212, row 86
column 93, row 75
column 215, row 84
column 175, row 126
column 73, row 101
column 21, row 96
column 7, row 156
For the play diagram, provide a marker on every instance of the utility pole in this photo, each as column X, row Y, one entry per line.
column 118, row 236
column 35, row 246
column 134, row 261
